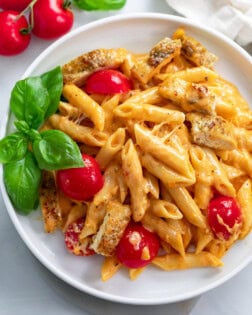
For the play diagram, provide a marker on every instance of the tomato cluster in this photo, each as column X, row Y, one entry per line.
column 47, row 19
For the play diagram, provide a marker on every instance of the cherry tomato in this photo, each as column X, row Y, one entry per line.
column 224, row 216
column 81, row 183
column 13, row 39
column 137, row 247
column 16, row 5
column 52, row 19
column 107, row 81
column 72, row 242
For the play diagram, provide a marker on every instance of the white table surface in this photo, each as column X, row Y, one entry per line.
column 28, row 288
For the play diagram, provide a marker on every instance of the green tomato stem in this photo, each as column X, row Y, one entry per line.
column 66, row 4
column 26, row 10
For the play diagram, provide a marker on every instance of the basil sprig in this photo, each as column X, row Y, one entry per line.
column 26, row 152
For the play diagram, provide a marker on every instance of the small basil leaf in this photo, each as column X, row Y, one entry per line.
column 22, row 126
column 13, row 147
column 22, row 180
column 56, row 151
column 29, row 101
column 53, row 81
column 34, row 135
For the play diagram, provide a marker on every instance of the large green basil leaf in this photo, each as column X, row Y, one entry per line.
column 22, row 180
column 53, row 81
column 56, row 150
column 13, row 147
column 29, row 101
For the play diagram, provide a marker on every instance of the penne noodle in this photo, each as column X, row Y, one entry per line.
column 187, row 206
column 135, row 273
column 168, row 177
column 109, row 267
column 79, row 133
column 165, row 231
column 165, row 209
column 152, row 184
column 147, row 112
column 191, row 260
column 244, row 198
column 68, row 110
column 167, row 154
column 112, row 146
column 148, row 96
column 134, row 179
column 85, row 104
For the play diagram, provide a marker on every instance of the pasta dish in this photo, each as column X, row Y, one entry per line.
column 174, row 151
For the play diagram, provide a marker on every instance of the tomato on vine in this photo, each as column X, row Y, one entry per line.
column 16, row 5
column 14, row 37
column 51, row 18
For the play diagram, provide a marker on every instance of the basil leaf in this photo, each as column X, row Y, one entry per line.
column 22, row 126
column 13, row 147
column 56, row 150
column 29, row 101
column 22, row 180
column 53, row 81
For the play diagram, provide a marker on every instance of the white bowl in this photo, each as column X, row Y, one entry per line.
column 136, row 32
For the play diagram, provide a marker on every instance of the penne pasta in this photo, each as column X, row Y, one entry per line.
column 85, row 104
column 244, row 198
column 147, row 112
column 79, row 133
column 187, row 205
column 109, row 267
column 165, row 231
column 112, row 146
column 175, row 261
column 134, row 179
column 165, row 209
column 168, row 177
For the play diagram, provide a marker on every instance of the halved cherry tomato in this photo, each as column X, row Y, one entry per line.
column 52, row 18
column 107, row 81
column 81, row 183
column 13, row 39
column 72, row 241
column 17, row 5
column 137, row 247
column 224, row 216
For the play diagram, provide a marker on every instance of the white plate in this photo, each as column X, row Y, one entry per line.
column 137, row 32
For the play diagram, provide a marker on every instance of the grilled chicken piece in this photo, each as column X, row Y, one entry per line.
column 49, row 202
column 77, row 70
column 211, row 131
column 160, row 55
column 194, row 51
column 166, row 48
column 111, row 230
column 189, row 96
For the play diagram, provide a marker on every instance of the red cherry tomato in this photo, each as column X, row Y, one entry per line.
column 137, row 247
column 224, row 216
column 17, row 5
column 12, row 40
column 81, row 183
column 51, row 19
column 72, row 242
column 107, row 81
